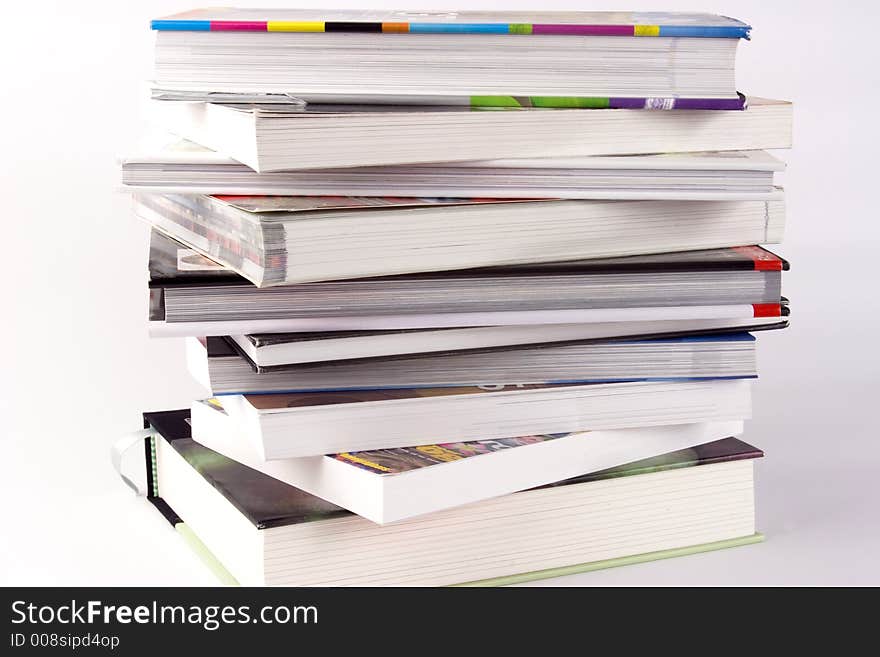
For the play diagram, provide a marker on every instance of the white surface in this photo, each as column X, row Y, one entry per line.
column 72, row 106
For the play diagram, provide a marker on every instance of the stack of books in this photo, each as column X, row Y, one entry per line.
column 471, row 294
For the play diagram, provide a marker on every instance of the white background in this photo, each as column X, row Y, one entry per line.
column 78, row 367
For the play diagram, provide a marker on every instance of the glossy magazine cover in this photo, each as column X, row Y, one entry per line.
column 404, row 459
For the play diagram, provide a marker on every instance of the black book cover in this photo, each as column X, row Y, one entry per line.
column 267, row 502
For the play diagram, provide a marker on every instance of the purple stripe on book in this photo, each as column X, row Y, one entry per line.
column 585, row 30
column 626, row 103
column 711, row 103
column 678, row 103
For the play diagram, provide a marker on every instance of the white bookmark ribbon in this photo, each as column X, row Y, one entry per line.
column 117, row 454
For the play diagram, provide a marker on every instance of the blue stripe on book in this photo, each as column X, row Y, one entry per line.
column 459, row 28
column 706, row 31
column 181, row 26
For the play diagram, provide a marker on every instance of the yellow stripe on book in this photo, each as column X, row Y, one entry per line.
column 294, row 26
column 646, row 30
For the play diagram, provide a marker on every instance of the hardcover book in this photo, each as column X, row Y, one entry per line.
column 255, row 530
column 552, row 59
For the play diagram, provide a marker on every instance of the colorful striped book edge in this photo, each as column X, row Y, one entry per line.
column 584, row 102
column 559, row 29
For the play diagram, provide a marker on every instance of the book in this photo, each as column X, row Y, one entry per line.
column 219, row 365
column 487, row 58
column 255, row 530
column 287, row 425
column 178, row 166
column 274, row 349
column 190, row 295
column 389, row 485
column 280, row 240
column 284, row 137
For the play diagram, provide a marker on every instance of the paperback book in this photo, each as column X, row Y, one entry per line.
column 288, row 425
column 223, row 369
column 388, row 485
column 267, row 350
column 278, row 240
column 179, row 166
column 286, row 136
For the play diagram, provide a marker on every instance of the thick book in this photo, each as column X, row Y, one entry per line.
column 285, row 137
column 388, row 485
column 589, row 59
column 190, row 295
column 168, row 165
column 252, row 529
column 287, row 425
column 222, row 368
column 268, row 350
column 282, row 240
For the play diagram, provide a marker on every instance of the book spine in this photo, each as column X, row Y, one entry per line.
column 555, row 29
column 152, row 492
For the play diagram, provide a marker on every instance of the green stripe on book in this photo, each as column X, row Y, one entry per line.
column 612, row 563
column 572, row 101
column 494, row 101
column 205, row 555
column 556, row 102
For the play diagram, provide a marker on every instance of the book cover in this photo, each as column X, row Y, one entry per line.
column 390, row 462
column 268, row 104
column 536, row 23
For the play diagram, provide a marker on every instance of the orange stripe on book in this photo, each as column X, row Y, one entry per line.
column 767, row 309
column 762, row 258
column 395, row 27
